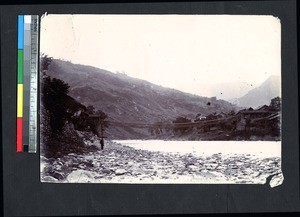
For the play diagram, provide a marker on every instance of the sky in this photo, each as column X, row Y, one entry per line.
column 192, row 53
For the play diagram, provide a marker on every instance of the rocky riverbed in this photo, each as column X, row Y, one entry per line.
column 122, row 164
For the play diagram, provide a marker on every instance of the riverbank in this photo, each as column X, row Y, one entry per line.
column 123, row 164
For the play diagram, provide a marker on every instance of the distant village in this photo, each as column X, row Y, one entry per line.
column 261, row 123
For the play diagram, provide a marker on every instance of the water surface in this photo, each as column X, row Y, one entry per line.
column 200, row 148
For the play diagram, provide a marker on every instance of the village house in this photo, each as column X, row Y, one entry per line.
column 222, row 115
column 250, row 117
column 262, row 108
column 200, row 117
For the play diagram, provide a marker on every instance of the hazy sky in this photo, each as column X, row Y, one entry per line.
column 186, row 52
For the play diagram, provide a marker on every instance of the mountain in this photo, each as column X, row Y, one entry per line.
column 262, row 94
column 127, row 99
column 226, row 90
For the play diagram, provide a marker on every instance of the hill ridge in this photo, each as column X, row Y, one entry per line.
column 131, row 99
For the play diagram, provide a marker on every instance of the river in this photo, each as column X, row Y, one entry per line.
column 262, row 149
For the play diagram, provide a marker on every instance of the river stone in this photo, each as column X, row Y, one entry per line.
column 130, row 163
column 256, row 174
column 99, row 176
column 96, row 164
column 43, row 165
column 81, row 176
column 58, row 175
column 81, row 166
column 209, row 175
column 193, row 167
column 42, row 158
column 57, row 167
column 120, row 172
column 248, row 171
column 211, row 166
column 49, row 179
column 239, row 163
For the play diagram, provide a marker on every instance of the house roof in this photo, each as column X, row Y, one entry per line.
column 263, row 107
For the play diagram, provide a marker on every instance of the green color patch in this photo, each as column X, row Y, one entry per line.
column 20, row 67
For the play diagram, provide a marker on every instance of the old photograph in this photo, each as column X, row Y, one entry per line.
column 173, row 99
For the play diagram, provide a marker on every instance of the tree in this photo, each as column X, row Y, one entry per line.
column 231, row 113
column 90, row 109
column 275, row 103
column 54, row 96
column 45, row 62
column 212, row 116
column 92, row 120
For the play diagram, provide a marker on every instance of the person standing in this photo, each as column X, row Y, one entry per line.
column 102, row 143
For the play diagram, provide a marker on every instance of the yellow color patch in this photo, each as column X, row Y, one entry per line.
column 20, row 101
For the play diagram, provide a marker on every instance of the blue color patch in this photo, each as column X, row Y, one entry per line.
column 20, row 31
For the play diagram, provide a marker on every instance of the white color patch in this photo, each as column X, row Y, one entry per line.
column 27, row 19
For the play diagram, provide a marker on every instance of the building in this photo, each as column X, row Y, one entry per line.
column 200, row 117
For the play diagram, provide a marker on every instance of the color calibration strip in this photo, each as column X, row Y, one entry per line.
column 20, row 84
column 27, row 83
